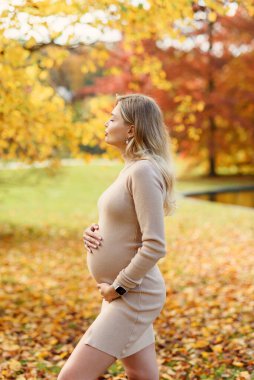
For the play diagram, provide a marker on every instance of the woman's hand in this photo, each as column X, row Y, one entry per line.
column 90, row 238
column 107, row 291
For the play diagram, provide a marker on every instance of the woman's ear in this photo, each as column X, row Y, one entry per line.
column 131, row 130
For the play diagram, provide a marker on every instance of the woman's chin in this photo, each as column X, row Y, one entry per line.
column 107, row 140
column 113, row 143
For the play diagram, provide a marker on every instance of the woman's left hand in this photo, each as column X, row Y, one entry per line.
column 107, row 291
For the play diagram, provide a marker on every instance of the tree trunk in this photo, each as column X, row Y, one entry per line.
column 212, row 123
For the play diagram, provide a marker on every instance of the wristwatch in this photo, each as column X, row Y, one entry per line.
column 119, row 289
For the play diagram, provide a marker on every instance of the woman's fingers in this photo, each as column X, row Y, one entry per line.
column 95, row 243
column 94, row 226
column 94, row 235
column 92, row 244
column 91, row 238
column 88, row 248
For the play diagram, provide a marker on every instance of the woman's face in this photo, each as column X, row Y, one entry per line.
column 117, row 130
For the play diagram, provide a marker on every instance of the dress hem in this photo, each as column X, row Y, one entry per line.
column 118, row 357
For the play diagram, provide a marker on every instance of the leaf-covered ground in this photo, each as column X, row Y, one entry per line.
column 205, row 330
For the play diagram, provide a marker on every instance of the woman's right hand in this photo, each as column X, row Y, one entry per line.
column 91, row 238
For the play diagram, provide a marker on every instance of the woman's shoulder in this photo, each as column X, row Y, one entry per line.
column 144, row 176
column 143, row 166
column 144, row 170
column 141, row 163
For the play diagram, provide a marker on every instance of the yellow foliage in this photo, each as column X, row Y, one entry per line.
column 30, row 43
column 30, row 127
column 208, row 275
column 201, row 343
column 217, row 348
column 14, row 365
column 200, row 106
column 114, row 71
column 91, row 132
column 35, row 123
column 151, row 66
column 88, row 67
column 212, row 16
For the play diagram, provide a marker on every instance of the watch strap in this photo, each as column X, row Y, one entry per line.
column 119, row 288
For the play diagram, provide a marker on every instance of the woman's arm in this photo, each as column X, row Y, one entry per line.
column 146, row 187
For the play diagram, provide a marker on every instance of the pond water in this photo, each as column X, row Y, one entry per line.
column 242, row 198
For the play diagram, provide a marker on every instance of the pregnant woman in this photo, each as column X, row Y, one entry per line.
column 124, row 247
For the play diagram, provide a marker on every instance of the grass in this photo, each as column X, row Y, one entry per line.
column 31, row 197
column 68, row 198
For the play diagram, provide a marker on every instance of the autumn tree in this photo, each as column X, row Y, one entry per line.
column 35, row 122
column 208, row 101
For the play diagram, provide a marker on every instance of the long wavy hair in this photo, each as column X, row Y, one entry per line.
column 151, row 139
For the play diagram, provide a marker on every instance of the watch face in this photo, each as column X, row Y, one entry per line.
column 120, row 290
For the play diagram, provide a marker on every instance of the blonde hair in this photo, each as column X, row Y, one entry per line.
column 151, row 139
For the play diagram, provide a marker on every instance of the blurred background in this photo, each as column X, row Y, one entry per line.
column 61, row 64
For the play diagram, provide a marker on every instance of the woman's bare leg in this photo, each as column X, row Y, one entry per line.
column 85, row 363
column 142, row 365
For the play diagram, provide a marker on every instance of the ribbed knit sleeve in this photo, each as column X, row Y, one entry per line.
column 146, row 186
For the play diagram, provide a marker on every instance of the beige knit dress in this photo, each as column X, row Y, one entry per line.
column 131, row 223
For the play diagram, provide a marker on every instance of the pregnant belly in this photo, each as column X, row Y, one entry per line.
column 109, row 259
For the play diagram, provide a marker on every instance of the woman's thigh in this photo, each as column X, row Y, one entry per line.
column 142, row 365
column 85, row 363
